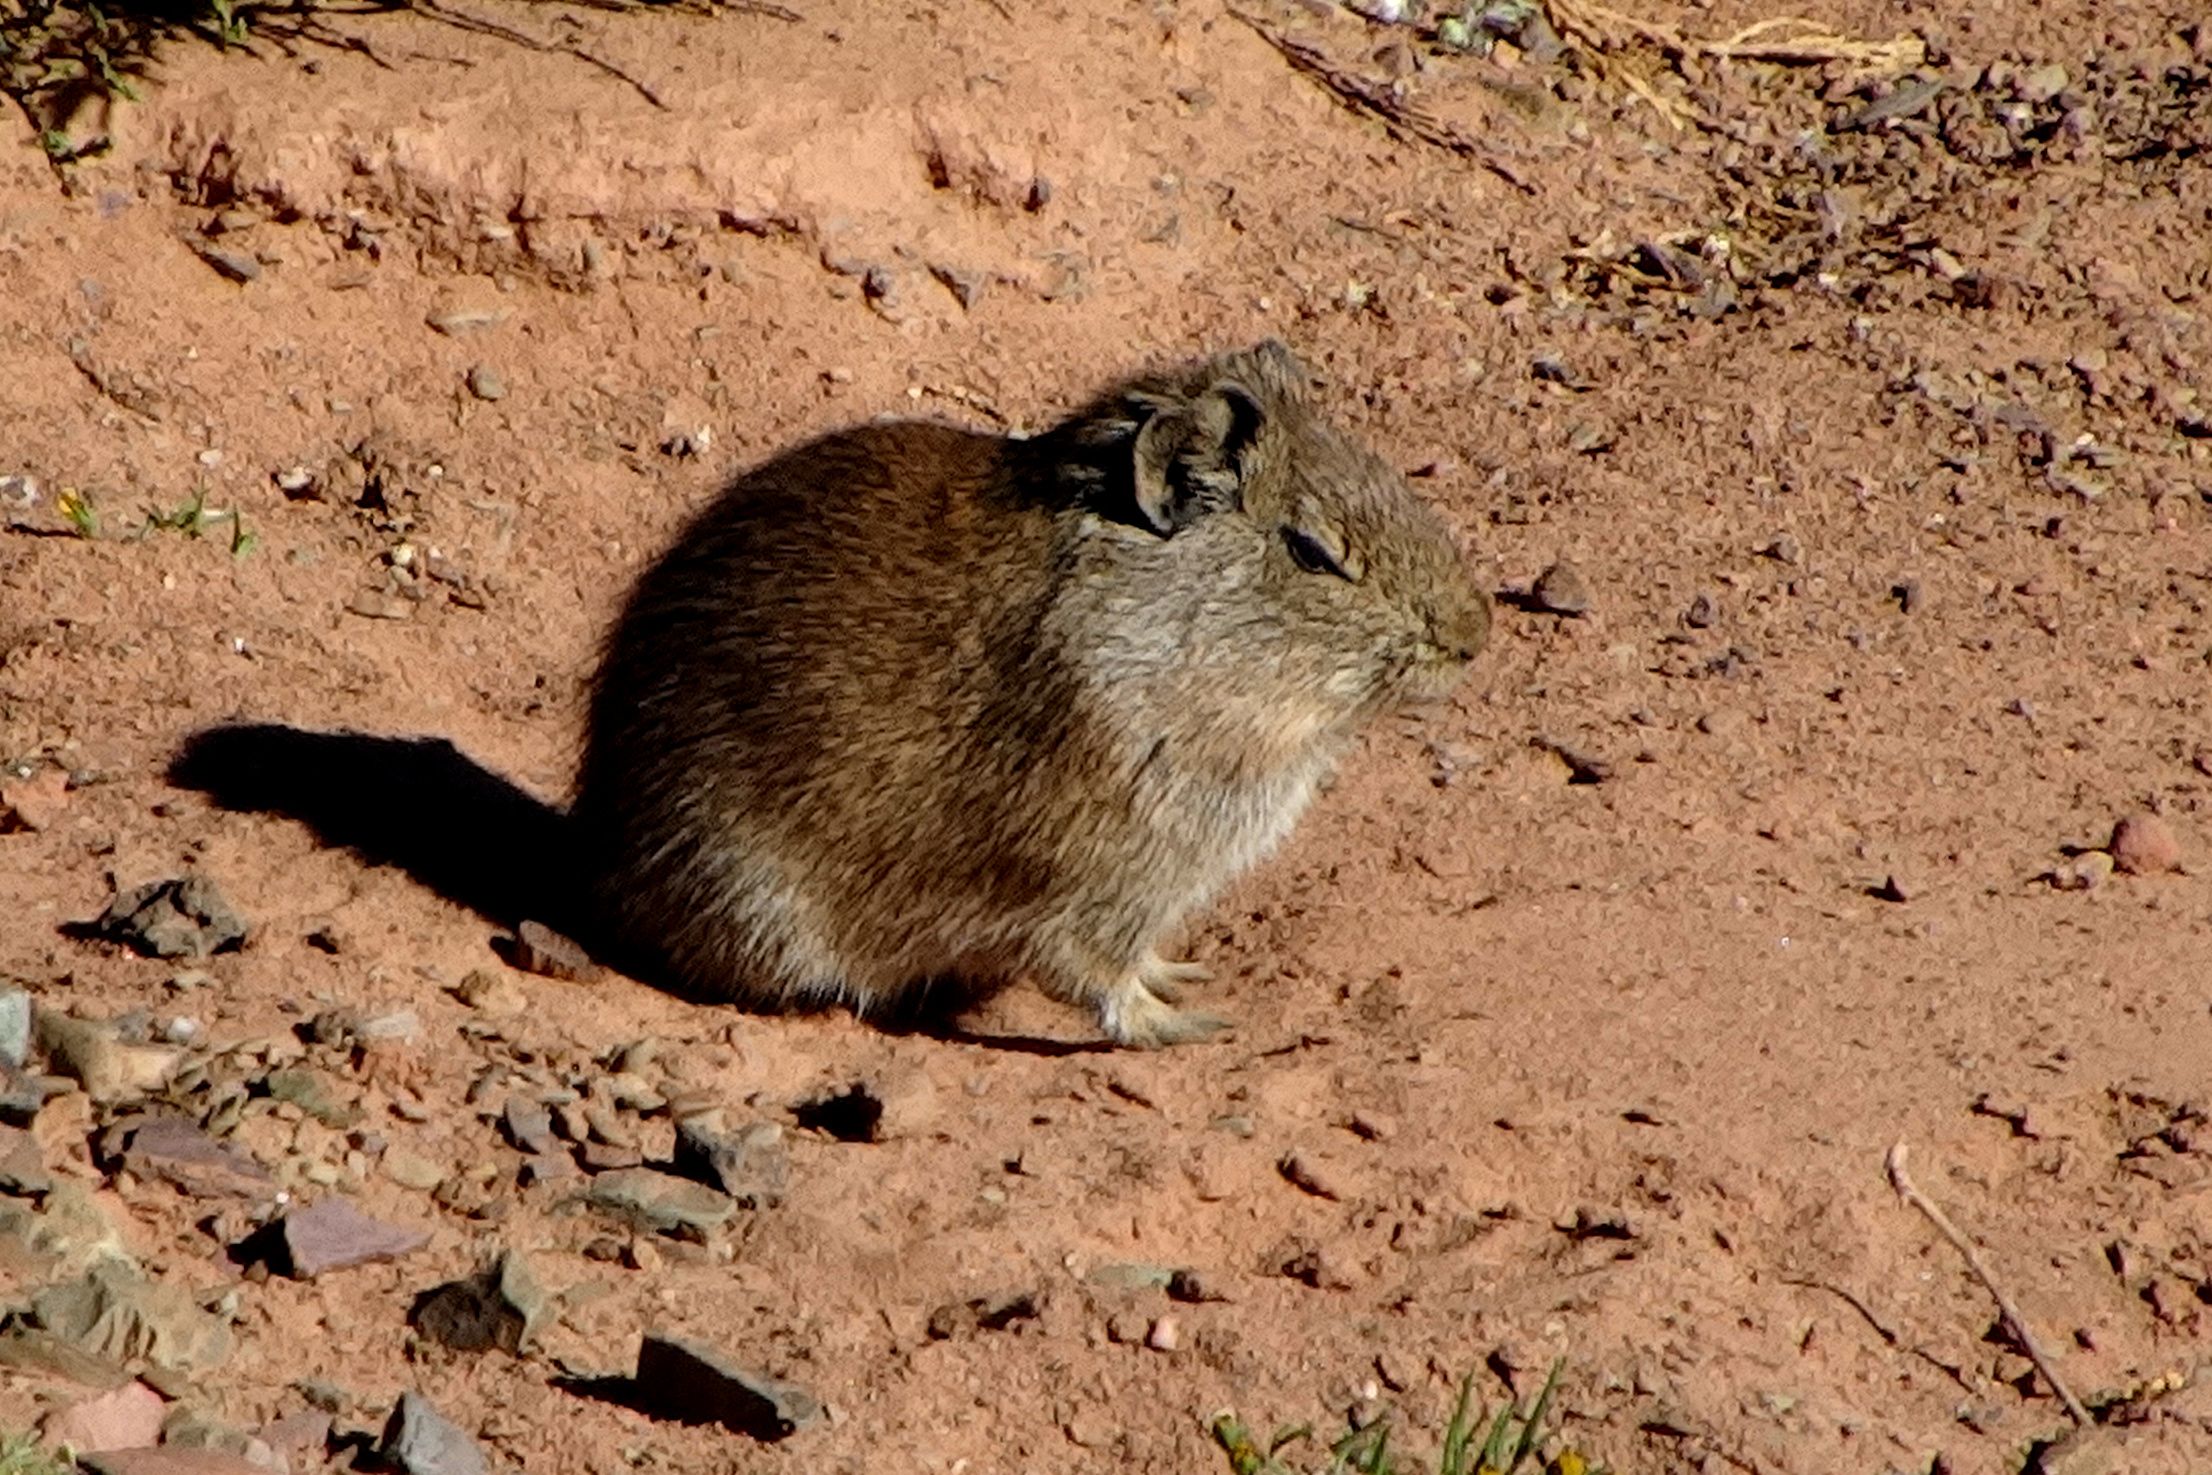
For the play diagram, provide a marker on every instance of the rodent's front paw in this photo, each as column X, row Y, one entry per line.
column 1167, row 979
column 1135, row 1015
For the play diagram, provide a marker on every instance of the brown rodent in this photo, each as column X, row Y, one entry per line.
column 911, row 704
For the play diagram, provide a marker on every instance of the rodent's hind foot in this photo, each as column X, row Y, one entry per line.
column 1167, row 979
column 1134, row 1014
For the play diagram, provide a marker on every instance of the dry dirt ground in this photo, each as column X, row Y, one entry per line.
column 1872, row 409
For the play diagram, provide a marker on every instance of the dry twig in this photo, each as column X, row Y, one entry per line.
column 1784, row 40
column 1378, row 100
column 462, row 20
column 1899, row 1180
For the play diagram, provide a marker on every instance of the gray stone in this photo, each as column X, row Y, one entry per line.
column 2043, row 83
column 68, row 1234
column 411, row 1171
column 89, row 1051
column 182, row 917
column 1559, row 590
column 678, row 1378
column 421, row 1441
column 750, row 1164
column 529, row 1125
column 15, row 1026
column 1127, row 1275
column 661, row 1199
column 347, row 1026
column 115, row 1314
column 605, row 1157
column 238, row 266
column 315, row 1093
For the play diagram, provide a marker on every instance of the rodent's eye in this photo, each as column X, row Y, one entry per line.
column 1310, row 554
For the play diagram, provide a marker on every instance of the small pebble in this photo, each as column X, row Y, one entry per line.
column 1166, row 1334
column 2144, row 845
column 239, row 266
column 1373, row 1126
column 410, row 1171
column 2085, row 872
column 2042, row 84
column 492, row 993
column 1305, row 1175
column 486, row 383
column 376, row 604
column 1559, row 590
column 538, row 949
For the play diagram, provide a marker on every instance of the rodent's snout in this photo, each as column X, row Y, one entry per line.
column 1456, row 629
column 1461, row 630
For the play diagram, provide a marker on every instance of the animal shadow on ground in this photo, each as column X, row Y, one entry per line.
column 416, row 803
column 421, row 805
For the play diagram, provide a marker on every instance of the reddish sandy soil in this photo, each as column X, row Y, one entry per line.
column 1881, row 446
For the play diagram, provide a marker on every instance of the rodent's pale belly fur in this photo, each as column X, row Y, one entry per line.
column 775, row 933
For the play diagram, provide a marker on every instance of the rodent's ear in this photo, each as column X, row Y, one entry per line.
column 1277, row 368
column 1192, row 455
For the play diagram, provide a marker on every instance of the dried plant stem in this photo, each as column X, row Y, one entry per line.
column 1378, row 100
column 1788, row 40
column 1599, row 29
column 1899, row 1180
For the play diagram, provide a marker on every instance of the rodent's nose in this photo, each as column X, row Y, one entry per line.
column 1462, row 632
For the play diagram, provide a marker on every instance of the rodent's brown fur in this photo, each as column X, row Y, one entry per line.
column 910, row 703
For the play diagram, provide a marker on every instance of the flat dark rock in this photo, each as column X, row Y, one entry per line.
column 333, row 1234
column 680, row 1379
column 538, row 949
column 176, row 1152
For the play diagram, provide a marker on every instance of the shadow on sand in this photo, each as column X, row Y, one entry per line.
column 423, row 806
column 419, row 804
